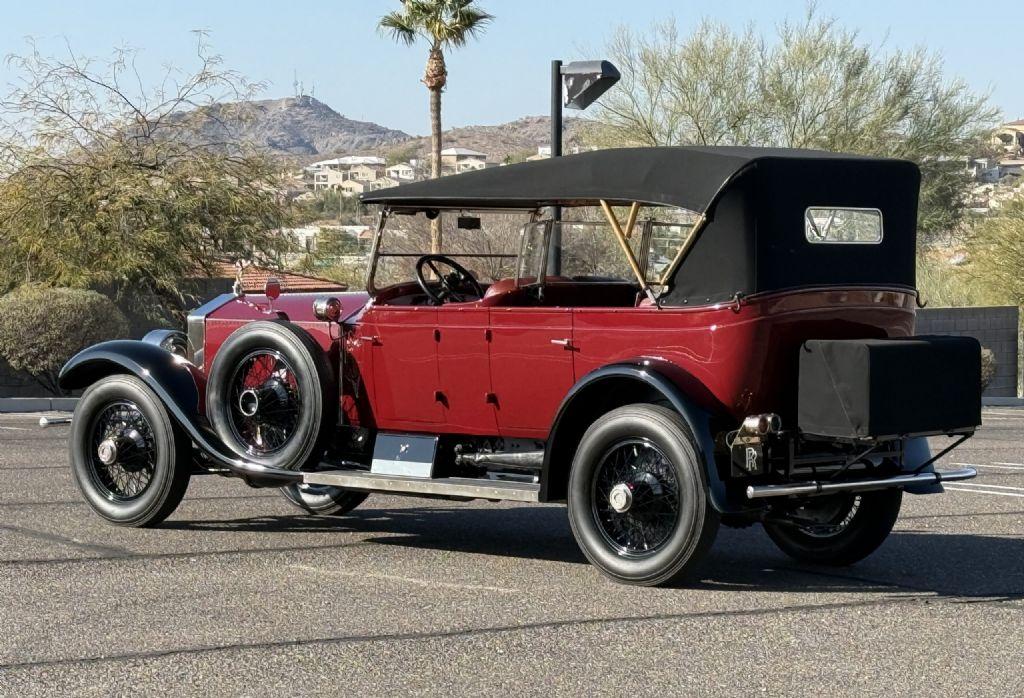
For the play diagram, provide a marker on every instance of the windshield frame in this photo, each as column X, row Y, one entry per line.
column 642, row 232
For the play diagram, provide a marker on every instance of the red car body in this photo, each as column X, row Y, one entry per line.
column 476, row 368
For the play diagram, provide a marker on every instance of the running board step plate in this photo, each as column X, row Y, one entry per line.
column 446, row 487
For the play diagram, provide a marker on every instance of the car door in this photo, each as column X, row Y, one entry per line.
column 464, row 370
column 531, row 367
column 405, row 379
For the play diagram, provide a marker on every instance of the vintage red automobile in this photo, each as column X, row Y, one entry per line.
column 685, row 337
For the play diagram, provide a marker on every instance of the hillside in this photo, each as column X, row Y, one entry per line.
column 303, row 129
column 516, row 139
column 293, row 126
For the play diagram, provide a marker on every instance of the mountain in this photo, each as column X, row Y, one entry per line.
column 293, row 126
column 515, row 140
column 303, row 129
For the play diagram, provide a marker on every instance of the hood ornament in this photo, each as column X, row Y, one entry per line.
column 238, row 288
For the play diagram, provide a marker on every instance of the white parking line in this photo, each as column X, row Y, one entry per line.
column 998, row 466
column 1019, row 415
column 959, row 488
column 15, row 428
column 993, row 487
column 415, row 581
column 1020, row 465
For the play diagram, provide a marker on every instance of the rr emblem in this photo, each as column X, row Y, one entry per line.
column 751, row 460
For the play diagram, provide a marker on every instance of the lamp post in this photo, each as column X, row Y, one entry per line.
column 574, row 85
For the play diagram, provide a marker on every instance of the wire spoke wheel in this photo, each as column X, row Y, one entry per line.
column 829, row 517
column 264, row 402
column 122, row 458
column 836, row 529
column 636, row 497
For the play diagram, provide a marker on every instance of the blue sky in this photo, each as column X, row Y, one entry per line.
column 335, row 46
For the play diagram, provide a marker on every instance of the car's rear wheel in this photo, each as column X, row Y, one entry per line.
column 271, row 397
column 837, row 529
column 128, row 458
column 637, row 496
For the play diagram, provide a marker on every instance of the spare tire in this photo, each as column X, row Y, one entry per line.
column 270, row 395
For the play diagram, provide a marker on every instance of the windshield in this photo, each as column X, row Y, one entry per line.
column 590, row 250
column 488, row 252
column 488, row 244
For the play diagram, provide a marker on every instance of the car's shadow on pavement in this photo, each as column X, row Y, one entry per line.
column 947, row 564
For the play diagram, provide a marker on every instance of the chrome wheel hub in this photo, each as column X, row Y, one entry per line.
column 248, row 403
column 123, row 448
column 620, row 499
column 264, row 403
column 636, row 498
column 107, row 452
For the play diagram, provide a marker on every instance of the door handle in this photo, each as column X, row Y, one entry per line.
column 566, row 343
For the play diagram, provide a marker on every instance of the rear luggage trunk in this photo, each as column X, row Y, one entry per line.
column 884, row 388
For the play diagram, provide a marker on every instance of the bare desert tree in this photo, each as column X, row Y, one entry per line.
column 813, row 85
column 109, row 181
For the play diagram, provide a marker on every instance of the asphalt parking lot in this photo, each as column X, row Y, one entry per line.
column 240, row 593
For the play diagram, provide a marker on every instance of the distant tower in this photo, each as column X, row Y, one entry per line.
column 296, row 84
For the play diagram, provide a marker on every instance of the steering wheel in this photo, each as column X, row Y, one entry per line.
column 458, row 285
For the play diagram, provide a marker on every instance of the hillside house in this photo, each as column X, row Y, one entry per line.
column 353, row 187
column 364, row 168
column 403, row 172
column 365, row 173
column 456, row 160
column 328, row 179
column 384, row 183
column 1011, row 167
column 1010, row 138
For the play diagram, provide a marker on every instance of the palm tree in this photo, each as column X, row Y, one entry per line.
column 442, row 24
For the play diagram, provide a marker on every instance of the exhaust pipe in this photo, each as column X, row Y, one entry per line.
column 513, row 460
column 810, row 489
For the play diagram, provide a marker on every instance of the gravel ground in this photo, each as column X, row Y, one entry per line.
column 238, row 593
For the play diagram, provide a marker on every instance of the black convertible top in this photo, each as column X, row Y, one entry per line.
column 754, row 200
column 688, row 177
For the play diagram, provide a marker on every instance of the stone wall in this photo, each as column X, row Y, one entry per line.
column 997, row 328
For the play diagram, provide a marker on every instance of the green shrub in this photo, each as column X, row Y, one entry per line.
column 988, row 366
column 41, row 328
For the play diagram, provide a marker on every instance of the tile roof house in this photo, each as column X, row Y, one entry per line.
column 254, row 279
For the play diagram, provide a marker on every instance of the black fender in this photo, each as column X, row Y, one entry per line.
column 179, row 386
column 650, row 377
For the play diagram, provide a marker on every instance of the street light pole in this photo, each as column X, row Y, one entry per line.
column 582, row 82
column 555, row 251
column 556, row 109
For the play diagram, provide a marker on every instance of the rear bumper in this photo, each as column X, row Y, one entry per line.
column 814, row 488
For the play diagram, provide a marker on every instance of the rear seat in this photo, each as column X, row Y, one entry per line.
column 561, row 292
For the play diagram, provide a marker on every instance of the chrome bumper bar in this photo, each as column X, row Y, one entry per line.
column 809, row 489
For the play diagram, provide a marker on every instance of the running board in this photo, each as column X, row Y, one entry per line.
column 826, row 487
column 468, row 488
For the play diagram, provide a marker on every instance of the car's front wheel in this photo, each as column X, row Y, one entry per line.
column 837, row 529
column 129, row 459
column 637, row 497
